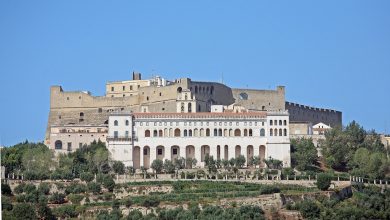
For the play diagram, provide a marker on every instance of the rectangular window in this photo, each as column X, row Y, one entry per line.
column 131, row 87
column 112, row 89
column 69, row 146
column 115, row 134
column 270, row 122
column 145, row 152
column 123, row 87
column 174, row 151
column 127, row 134
column 159, row 151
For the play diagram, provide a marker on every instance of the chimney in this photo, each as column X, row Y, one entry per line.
column 136, row 76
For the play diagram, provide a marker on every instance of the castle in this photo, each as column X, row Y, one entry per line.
column 77, row 118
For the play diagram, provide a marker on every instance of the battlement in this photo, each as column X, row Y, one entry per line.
column 311, row 108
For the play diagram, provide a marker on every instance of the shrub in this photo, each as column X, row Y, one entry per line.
column 309, row 209
column 93, row 187
column 57, row 198
column 5, row 189
column 323, row 181
column 6, row 203
column 75, row 198
column 118, row 167
column 44, row 188
column 150, row 201
column 24, row 211
column 75, row 188
column 65, row 211
column 128, row 202
column 29, row 188
column 135, row 214
column 87, row 176
column 19, row 188
column 108, row 183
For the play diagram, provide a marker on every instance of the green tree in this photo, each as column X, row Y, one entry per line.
column 57, row 198
column 5, row 189
column 87, row 176
column 303, row 154
column 157, row 165
column 309, row 209
column 118, row 167
column 108, row 183
column 24, row 211
column 169, row 167
column 240, row 161
column 256, row 161
column 44, row 212
column 323, row 181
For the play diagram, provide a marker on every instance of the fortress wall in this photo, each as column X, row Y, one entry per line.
column 217, row 92
column 74, row 100
column 315, row 115
column 261, row 99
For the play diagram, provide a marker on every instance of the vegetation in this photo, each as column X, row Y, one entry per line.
column 323, row 181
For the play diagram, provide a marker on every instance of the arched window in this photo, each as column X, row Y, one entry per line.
column 199, row 108
column 212, row 90
column 245, row 132
column 115, row 123
column 243, row 96
column 190, row 133
column 285, row 122
column 182, row 107
column 185, row 133
column 155, row 133
column 220, row 132
column 280, row 122
column 58, row 145
column 196, row 89
column 201, row 131
column 81, row 114
column 127, row 122
column 177, row 132
column 271, row 133
column 280, row 132
column 215, row 132
column 207, row 132
column 262, row 132
column 270, row 122
column 237, row 132
column 185, row 96
column 285, row 132
column 160, row 133
column 189, row 107
column 250, row 132
column 276, row 132
column 147, row 133
column 179, row 89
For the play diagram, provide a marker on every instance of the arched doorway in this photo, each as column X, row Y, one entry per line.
column 226, row 152
column 177, row 132
column 175, row 152
column 136, row 157
column 146, row 155
column 237, row 132
column 218, row 152
column 262, row 155
column 190, row 153
column 249, row 154
column 205, row 149
column 238, row 151
column 160, row 152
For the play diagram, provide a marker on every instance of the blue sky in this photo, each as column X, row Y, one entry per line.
column 331, row 54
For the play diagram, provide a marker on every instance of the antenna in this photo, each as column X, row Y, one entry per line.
column 222, row 78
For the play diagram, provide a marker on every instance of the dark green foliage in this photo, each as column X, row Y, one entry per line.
column 240, row 161
column 44, row 212
column 6, row 203
column 65, row 211
column 75, row 188
column 75, row 198
column 323, row 181
column 29, row 188
column 108, row 183
column 44, row 188
column 309, row 209
column 273, row 163
column 128, row 202
column 168, row 166
column 94, row 187
column 303, row 154
column 134, row 215
column 6, row 190
column 157, row 165
column 87, row 176
column 118, row 167
column 24, row 211
column 19, row 188
column 57, row 198
column 151, row 201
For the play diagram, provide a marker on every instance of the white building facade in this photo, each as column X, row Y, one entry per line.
column 137, row 139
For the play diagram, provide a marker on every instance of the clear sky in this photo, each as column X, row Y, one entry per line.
column 330, row 54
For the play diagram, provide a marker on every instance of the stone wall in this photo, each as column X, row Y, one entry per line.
column 260, row 99
column 303, row 113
